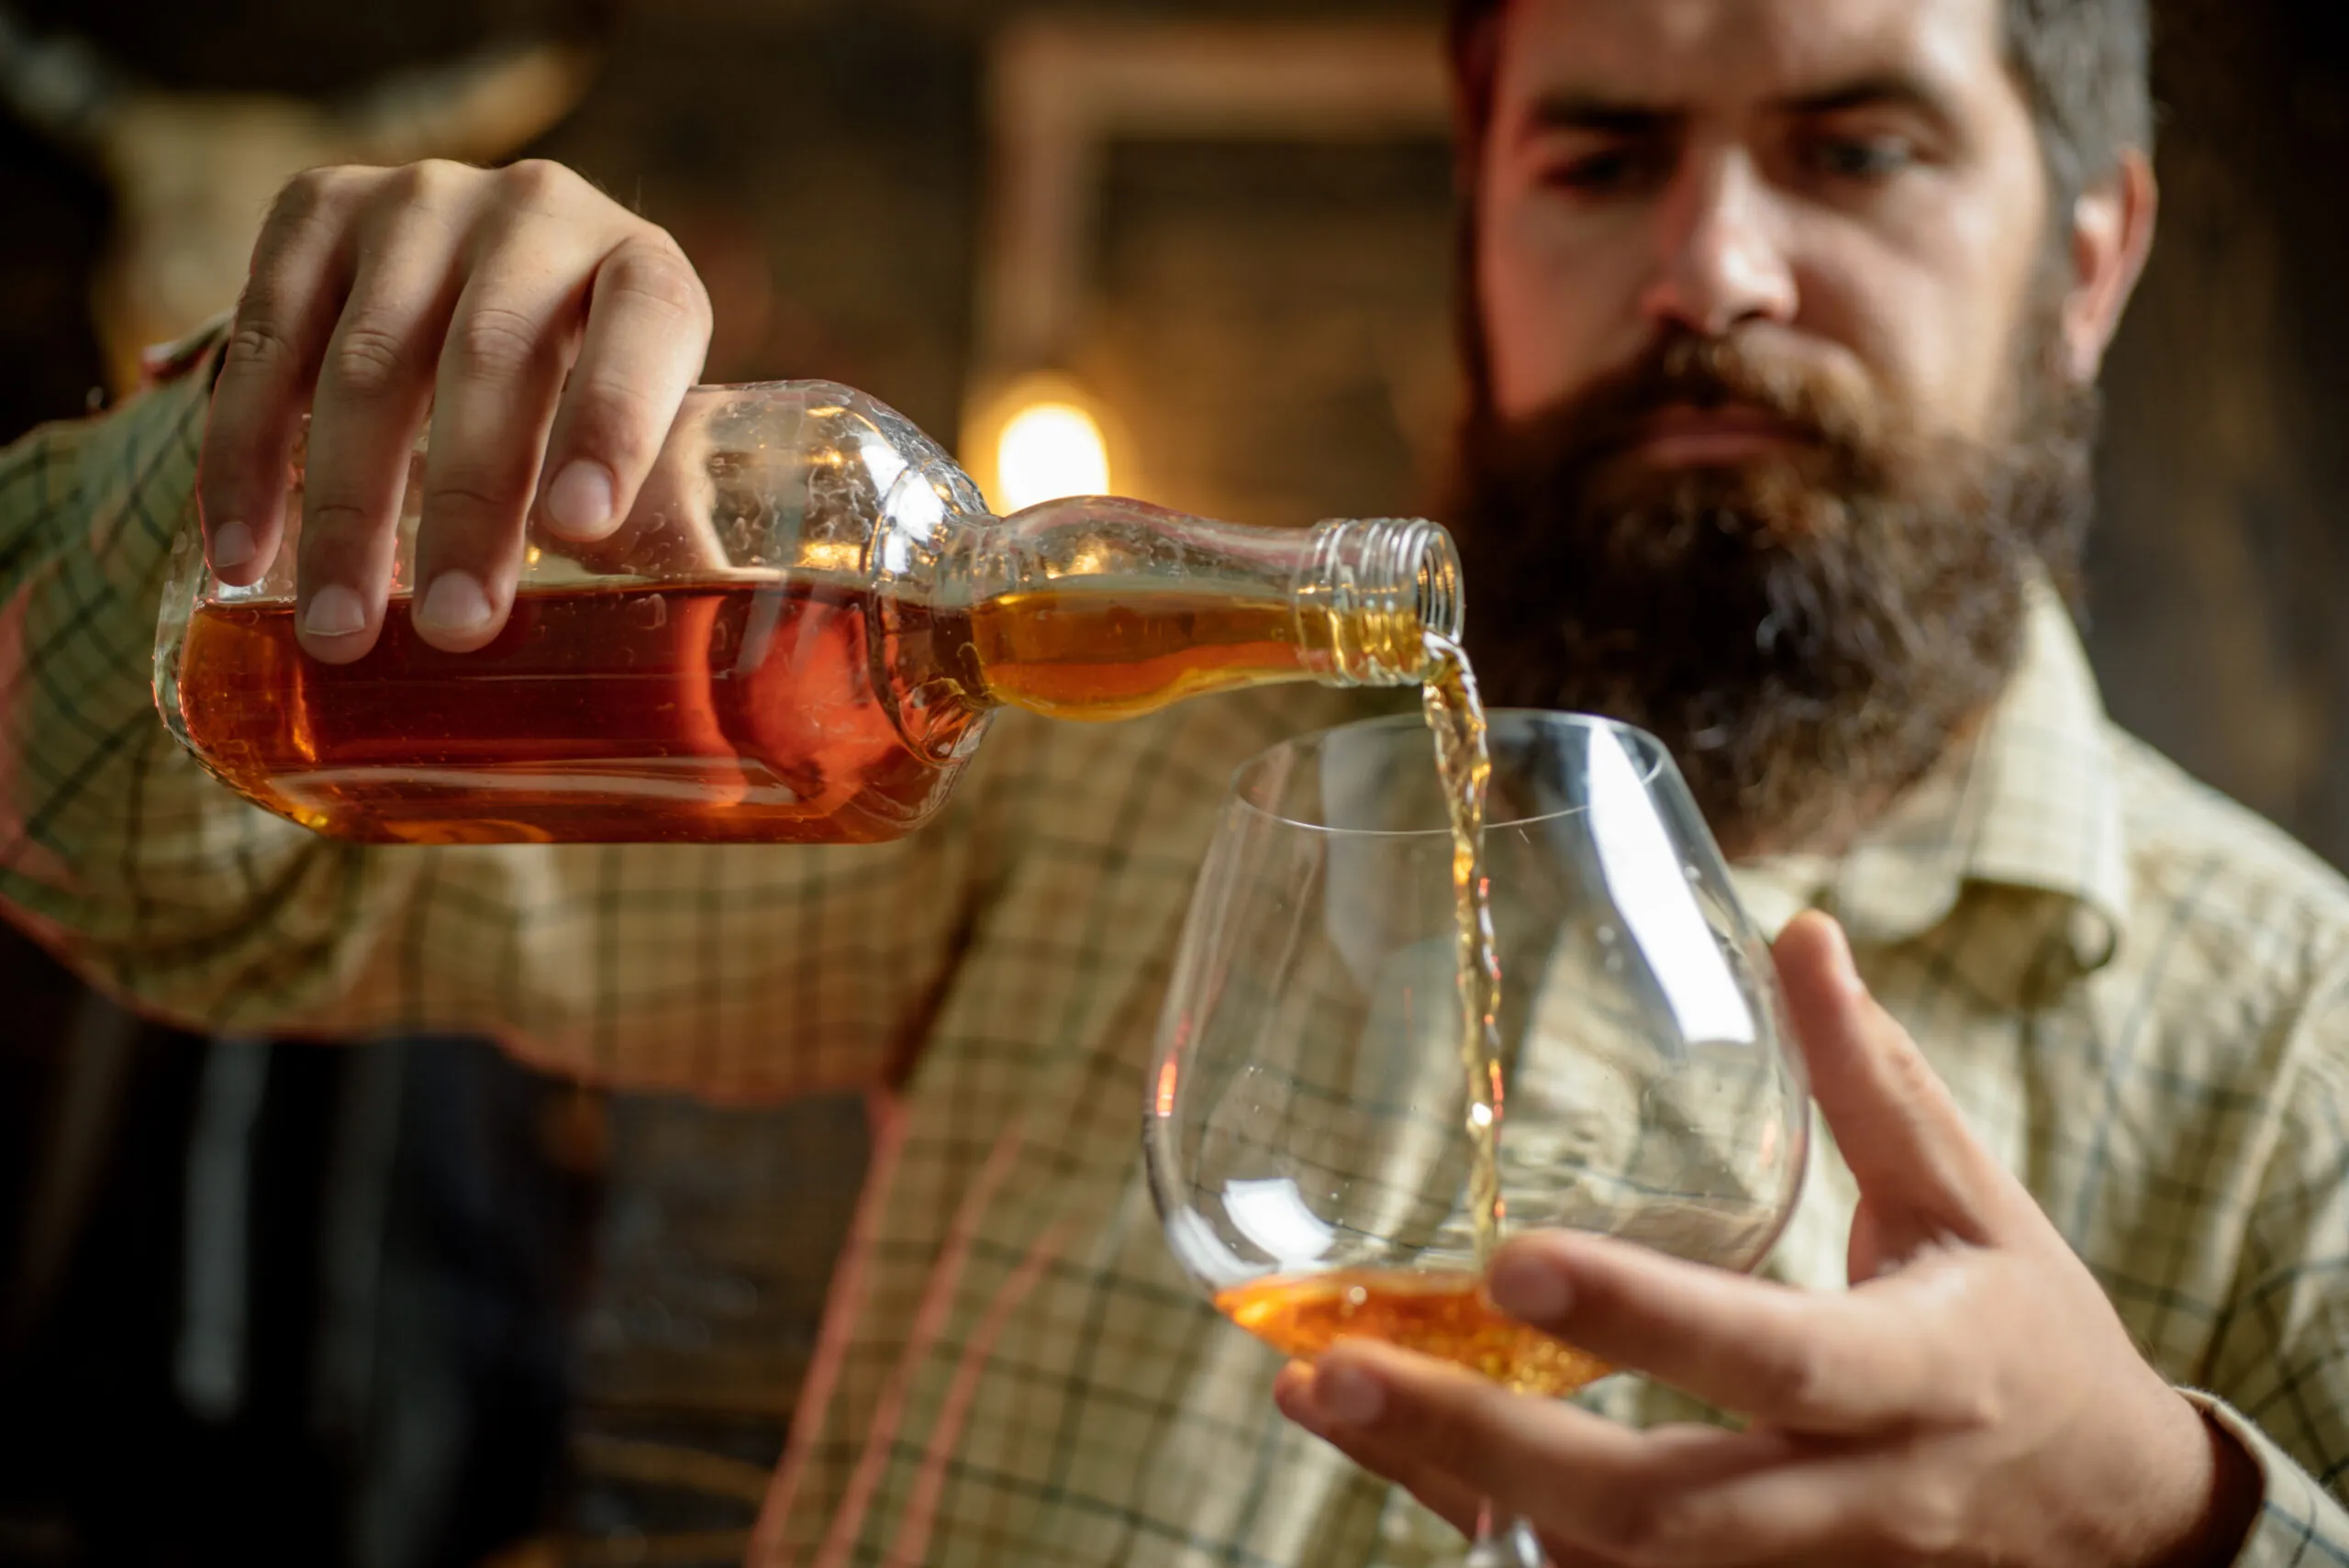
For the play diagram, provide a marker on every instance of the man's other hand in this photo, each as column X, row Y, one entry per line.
column 1972, row 1398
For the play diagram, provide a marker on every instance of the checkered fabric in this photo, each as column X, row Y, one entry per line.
column 2135, row 990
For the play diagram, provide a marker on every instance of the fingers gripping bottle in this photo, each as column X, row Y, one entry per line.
column 799, row 634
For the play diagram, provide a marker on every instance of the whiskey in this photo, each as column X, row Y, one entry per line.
column 745, row 711
column 1443, row 1314
column 773, row 710
column 1091, row 654
column 1455, row 714
column 1111, row 650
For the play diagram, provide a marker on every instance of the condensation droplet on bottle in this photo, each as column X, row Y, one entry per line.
column 654, row 613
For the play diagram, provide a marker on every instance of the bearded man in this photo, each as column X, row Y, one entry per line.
column 1783, row 319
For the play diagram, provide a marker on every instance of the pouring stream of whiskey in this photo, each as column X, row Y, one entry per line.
column 1464, row 757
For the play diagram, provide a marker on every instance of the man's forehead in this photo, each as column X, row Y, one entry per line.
column 1675, row 54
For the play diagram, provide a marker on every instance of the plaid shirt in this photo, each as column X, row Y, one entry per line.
column 2135, row 990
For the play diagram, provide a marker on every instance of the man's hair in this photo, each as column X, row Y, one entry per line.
column 2084, row 67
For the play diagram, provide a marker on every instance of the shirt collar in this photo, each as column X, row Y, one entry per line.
column 2029, row 814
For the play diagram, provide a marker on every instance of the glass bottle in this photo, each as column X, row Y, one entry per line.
column 799, row 634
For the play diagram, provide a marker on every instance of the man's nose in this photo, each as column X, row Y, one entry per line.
column 1722, row 259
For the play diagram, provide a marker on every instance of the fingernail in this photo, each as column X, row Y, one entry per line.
column 1840, row 967
column 1293, row 1394
column 232, row 546
column 1529, row 1287
column 454, row 602
column 1348, row 1394
column 579, row 502
column 334, row 612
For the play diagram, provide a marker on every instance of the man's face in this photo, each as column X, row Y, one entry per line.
column 1784, row 404
column 1849, row 186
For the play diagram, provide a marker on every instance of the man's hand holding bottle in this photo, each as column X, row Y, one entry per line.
column 547, row 334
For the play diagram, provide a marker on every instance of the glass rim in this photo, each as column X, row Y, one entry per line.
column 1494, row 718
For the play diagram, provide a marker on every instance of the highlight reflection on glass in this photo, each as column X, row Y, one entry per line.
column 1651, row 887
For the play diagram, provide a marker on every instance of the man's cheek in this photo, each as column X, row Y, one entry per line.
column 1927, row 344
column 1543, row 353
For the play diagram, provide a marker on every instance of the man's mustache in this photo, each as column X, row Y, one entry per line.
column 1683, row 369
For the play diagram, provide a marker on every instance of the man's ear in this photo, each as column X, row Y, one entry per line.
column 2112, row 234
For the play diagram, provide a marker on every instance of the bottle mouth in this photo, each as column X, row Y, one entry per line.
column 1379, row 589
column 1442, row 607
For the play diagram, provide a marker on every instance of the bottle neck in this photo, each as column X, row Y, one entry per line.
column 1099, row 608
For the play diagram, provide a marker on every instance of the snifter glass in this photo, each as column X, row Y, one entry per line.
column 1306, row 1116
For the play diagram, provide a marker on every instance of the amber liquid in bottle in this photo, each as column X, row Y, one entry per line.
column 719, row 712
column 1091, row 654
column 1436, row 1313
column 724, row 711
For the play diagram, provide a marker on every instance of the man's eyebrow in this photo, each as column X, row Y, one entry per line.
column 1582, row 109
column 1589, row 109
column 1895, row 89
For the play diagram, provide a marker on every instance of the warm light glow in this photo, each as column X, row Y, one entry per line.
column 1048, row 450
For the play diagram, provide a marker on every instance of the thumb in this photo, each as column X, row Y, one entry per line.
column 1922, row 1175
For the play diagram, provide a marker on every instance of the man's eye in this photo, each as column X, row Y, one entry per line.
column 1860, row 157
column 1600, row 173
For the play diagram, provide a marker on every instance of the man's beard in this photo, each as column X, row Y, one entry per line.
column 1808, row 632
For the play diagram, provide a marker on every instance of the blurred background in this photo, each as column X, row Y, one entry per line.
column 413, row 1305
